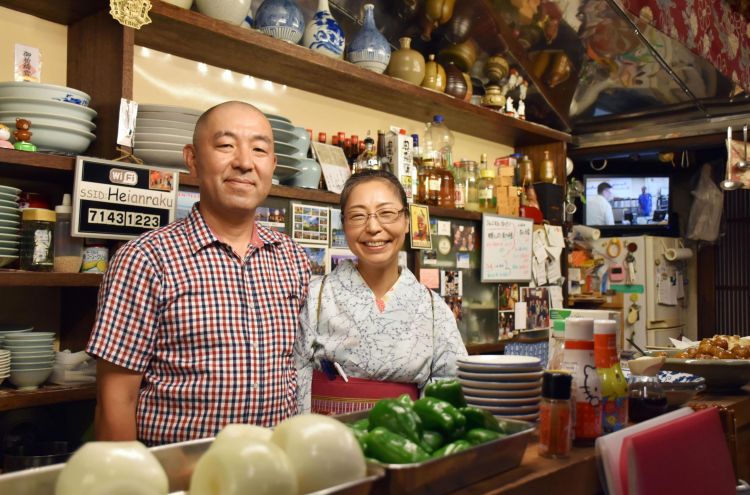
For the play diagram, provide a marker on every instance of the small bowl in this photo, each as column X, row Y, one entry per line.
column 170, row 131
column 32, row 354
column 45, row 106
column 59, row 138
column 32, row 335
column 14, row 348
column 31, row 365
column 5, row 329
column 45, row 91
column 48, row 118
column 29, row 379
column 152, row 145
column 21, row 340
column 151, row 138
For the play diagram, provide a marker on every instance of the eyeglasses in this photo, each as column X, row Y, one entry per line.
column 384, row 217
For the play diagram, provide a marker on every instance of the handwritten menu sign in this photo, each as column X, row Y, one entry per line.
column 506, row 248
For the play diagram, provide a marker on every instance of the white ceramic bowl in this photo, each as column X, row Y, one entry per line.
column 289, row 150
column 58, row 138
column 171, row 131
column 8, row 244
column 32, row 336
column 31, row 365
column 7, row 251
column 185, row 4
column 32, row 354
column 8, row 203
column 29, row 379
column 13, row 104
column 159, row 121
column 150, row 145
column 47, row 91
column 281, row 125
column 4, row 329
column 145, row 137
column 15, row 348
column 162, row 157
column 48, row 119
column 185, row 118
column 231, row 11
column 9, row 221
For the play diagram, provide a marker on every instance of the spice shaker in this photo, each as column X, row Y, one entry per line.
column 37, row 233
column 554, row 414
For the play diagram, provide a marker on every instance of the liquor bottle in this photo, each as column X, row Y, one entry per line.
column 459, row 196
column 322, row 137
column 486, row 190
column 433, row 182
column 447, row 186
column 471, row 202
column 347, row 147
column 368, row 159
column 354, row 152
column 334, row 140
column 383, row 162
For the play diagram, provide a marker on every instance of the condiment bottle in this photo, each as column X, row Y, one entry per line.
column 37, row 240
column 579, row 360
column 614, row 387
column 554, row 414
column 556, row 345
column 486, row 190
column 68, row 249
column 646, row 397
column 471, row 202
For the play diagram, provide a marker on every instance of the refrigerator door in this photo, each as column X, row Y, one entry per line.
column 665, row 304
column 660, row 336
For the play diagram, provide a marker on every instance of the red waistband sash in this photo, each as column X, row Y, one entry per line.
column 339, row 397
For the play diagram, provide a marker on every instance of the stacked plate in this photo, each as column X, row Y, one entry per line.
column 61, row 120
column 510, row 387
column 31, row 357
column 161, row 131
column 4, row 364
column 291, row 145
column 10, row 225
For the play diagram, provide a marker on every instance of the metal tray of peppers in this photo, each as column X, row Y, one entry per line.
column 436, row 444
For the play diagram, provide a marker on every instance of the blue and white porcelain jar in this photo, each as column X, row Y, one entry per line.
column 369, row 49
column 281, row 19
column 323, row 34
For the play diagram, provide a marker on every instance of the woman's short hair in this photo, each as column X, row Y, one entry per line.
column 367, row 176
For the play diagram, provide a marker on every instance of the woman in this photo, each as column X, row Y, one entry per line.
column 372, row 321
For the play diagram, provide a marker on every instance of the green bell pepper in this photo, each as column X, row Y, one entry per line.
column 452, row 448
column 406, row 400
column 448, row 390
column 482, row 435
column 361, row 436
column 481, row 418
column 439, row 415
column 388, row 447
column 362, row 425
column 394, row 416
column 432, row 440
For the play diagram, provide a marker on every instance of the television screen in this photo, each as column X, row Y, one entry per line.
column 623, row 201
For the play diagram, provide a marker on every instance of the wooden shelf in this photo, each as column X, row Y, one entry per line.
column 195, row 36
column 60, row 11
column 492, row 347
column 45, row 395
column 20, row 278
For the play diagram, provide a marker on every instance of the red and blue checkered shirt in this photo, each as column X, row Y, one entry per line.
column 211, row 333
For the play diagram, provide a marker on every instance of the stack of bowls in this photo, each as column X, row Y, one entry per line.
column 10, row 225
column 161, row 131
column 4, row 364
column 510, row 387
column 291, row 145
column 61, row 120
column 32, row 356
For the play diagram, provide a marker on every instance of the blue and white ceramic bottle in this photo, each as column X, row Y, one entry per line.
column 281, row 19
column 369, row 49
column 323, row 34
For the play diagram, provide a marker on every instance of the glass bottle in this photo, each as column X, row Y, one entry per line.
column 37, row 249
column 555, row 414
column 646, row 397
column 613, row 386
column 354, row 152
column 322, row 137
column 438, row 141
column 486, row 190
column 471, row 202
column 433, row 183
column 579, row 360
column 68, row 249
column 447, row 186
column 368, row 159
column 459, row 194
column 383, row 162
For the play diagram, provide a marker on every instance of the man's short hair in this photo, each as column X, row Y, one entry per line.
column 603, row 187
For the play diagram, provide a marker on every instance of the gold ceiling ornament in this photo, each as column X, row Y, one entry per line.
column 130, row 13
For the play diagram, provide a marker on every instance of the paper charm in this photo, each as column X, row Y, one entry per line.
column 130, row 13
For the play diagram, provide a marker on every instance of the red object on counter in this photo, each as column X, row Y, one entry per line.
column 532, row 213
column 339, row 397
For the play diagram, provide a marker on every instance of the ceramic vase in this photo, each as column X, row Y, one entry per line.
column 434, row 75
column 231, row 11
column 281, row 19
column 406, row 64
column 455, row 84
column 369, row 49
column 323, row 34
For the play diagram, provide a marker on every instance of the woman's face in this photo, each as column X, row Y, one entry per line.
column 375, row 243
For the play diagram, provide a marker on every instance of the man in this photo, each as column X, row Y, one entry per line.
column 196, row 320
column 598, row 208
column 644, row 203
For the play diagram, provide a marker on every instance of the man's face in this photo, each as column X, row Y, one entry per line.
column 607, row 193
column 234, row 160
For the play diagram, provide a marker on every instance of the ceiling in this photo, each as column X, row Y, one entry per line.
column 597, row 71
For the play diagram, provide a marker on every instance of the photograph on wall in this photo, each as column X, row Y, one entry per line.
column 465, row 238
column 337, row 255
column 455, row 303
column 537, row 307
column 507, row 296
column 429, row 257
column 271, row 218
column 318, row 257
column 187, row 196
column 338, row 239
column 310, row 224
column 160, row 180
column 420, row 227
column 506, row 327
column 451, row 283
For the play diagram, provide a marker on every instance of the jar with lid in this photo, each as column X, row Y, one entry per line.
column 471, row 202
column 68, row 249
column 486, row 190
column 555, row 414
column 459, row 193
column 37, row 240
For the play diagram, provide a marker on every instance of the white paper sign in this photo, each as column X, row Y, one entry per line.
column 334, row 165
column 520, row 309
column 28, row 64
column 126, row 125
column 555, row 296
column 554, row 235
column 444, row 227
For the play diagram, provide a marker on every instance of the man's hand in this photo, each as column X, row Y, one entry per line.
column 116, row 399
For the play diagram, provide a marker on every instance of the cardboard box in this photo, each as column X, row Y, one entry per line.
column 398, row 150
column 504, row 181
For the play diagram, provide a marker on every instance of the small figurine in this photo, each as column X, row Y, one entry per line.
column 5, row 137
column 23, row 135
column 509, row 110
column 524, row 87
column 512, row 79
column 521, row 110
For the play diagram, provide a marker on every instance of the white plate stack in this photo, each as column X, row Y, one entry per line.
column 32, row 355
column 161, row 131
column 10, row 225
column 61, row 120
column 4, row 364
column 510, row 387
